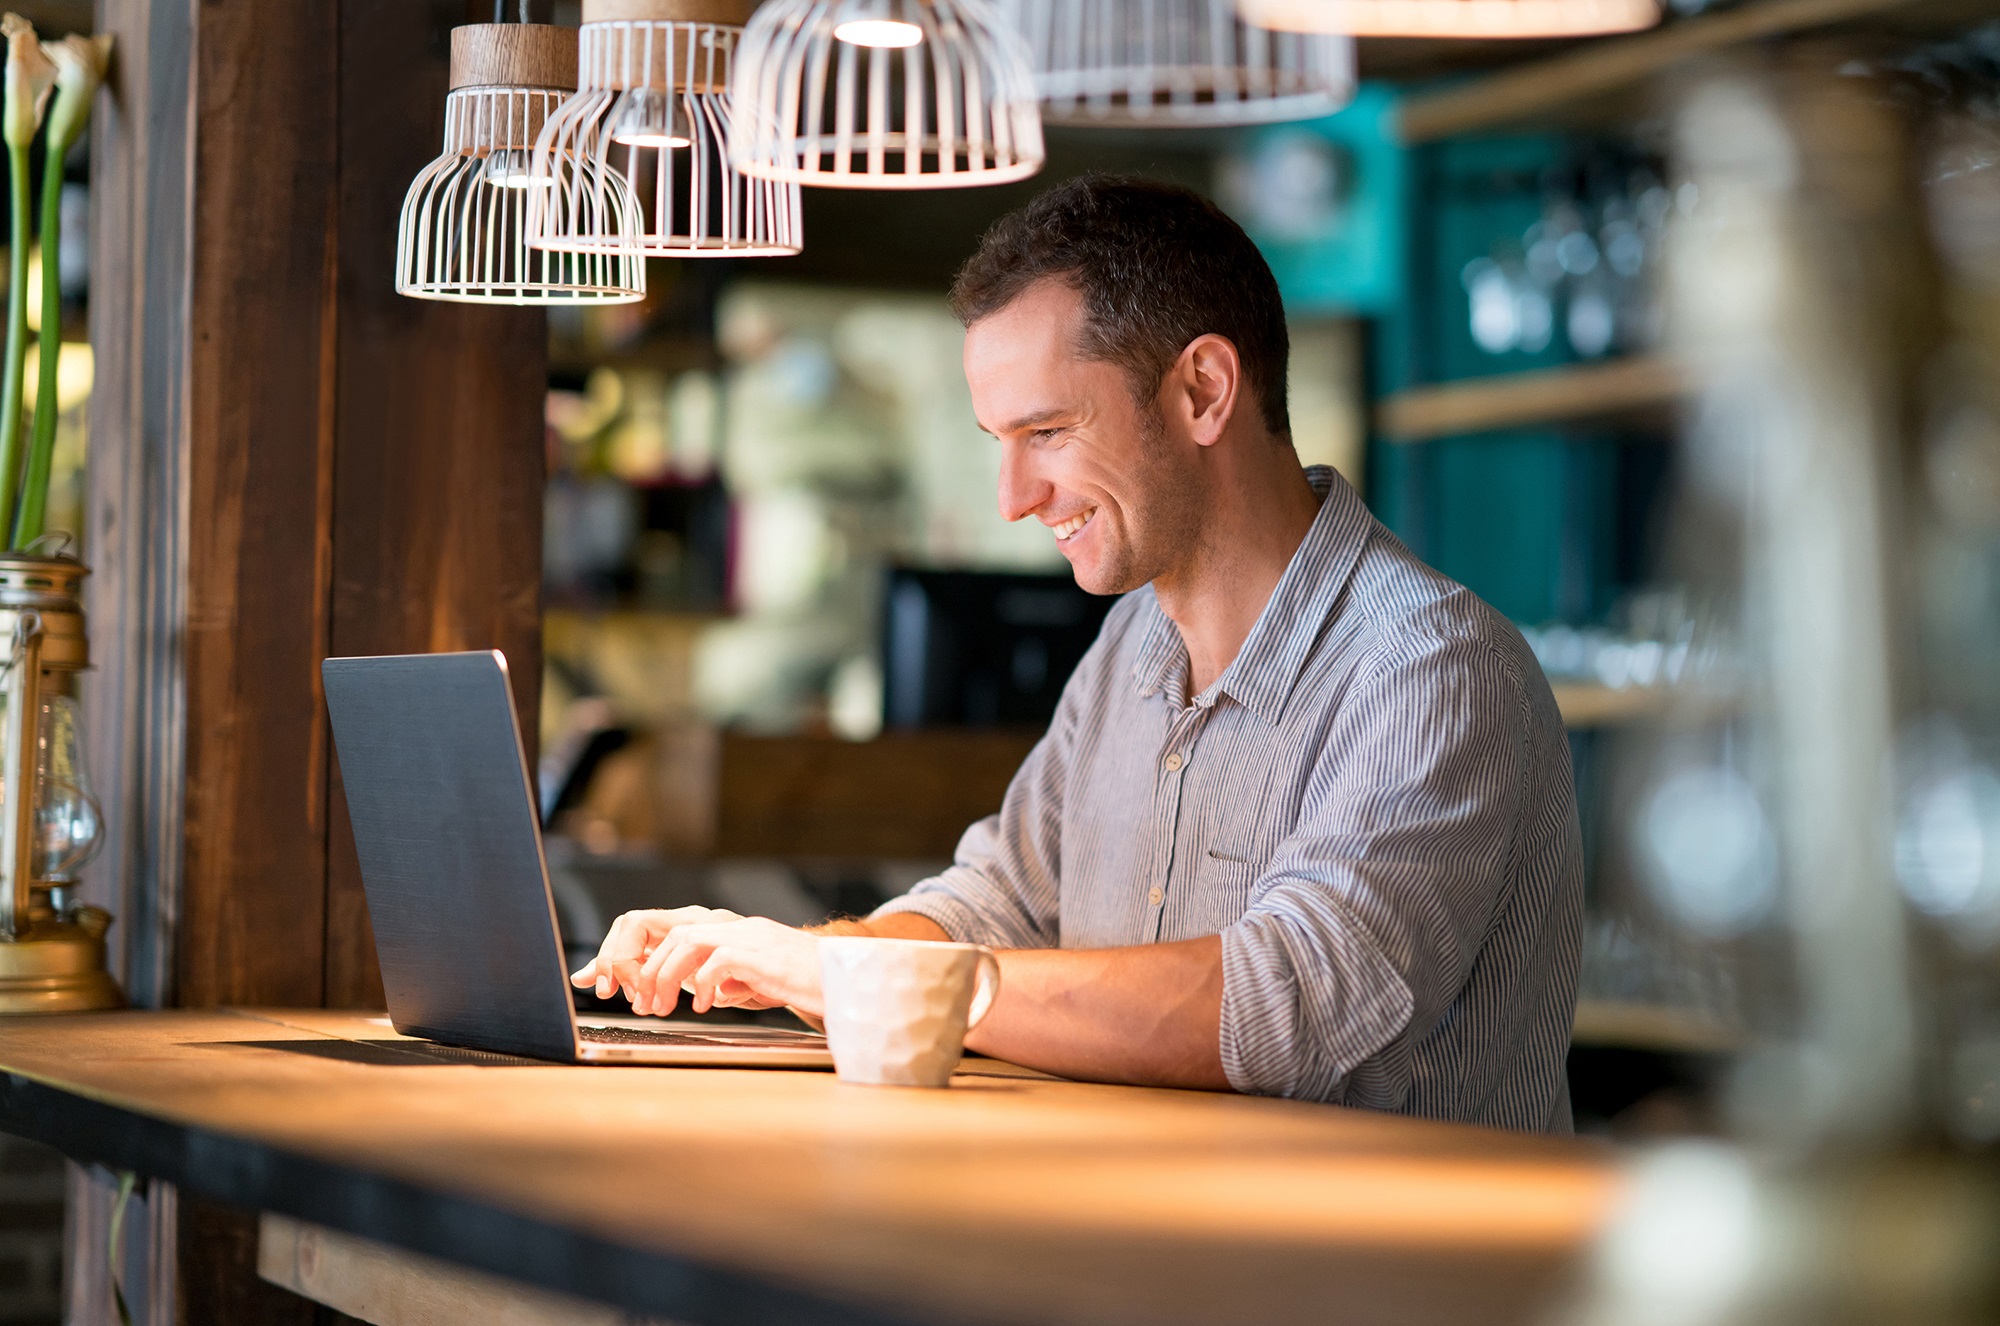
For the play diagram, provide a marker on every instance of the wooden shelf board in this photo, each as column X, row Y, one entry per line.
column 1587, row 704
column 1559, row 395
column 1613, row 1024
column 1540, row 90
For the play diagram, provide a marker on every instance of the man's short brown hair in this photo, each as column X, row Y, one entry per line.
column 1157, row 265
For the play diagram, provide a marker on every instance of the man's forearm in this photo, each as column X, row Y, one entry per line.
column 896, row 925
column 1149, row 1015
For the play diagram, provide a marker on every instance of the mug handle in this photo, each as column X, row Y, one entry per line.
column 986, row 991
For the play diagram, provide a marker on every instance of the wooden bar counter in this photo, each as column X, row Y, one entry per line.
column 727, row 1196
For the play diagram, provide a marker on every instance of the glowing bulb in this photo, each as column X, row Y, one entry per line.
column 878, row 32
column 648, row 117
column 514, row 168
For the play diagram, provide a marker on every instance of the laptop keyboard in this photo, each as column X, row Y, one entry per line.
column 762, row 1036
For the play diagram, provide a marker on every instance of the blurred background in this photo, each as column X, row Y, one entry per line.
column 1682, row 350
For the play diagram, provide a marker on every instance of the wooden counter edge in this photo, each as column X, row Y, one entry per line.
column 256, row 1177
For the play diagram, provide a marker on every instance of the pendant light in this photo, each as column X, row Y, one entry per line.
column 464, row 228
column 1176, row 63
column 884, row 94
column 652, row 109
column 1454, row 18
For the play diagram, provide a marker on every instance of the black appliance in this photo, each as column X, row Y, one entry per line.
column 981, row 649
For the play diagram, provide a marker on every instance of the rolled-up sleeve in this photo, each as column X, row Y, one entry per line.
column 1365, row 924
column 1001, row 887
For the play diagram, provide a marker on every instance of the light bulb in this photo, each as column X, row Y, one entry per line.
column 514, row 168
column 648, row 117
column 878, row 32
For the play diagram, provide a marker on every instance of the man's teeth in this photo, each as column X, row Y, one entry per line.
column 1073, row 524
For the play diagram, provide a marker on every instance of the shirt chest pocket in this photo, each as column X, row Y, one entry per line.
column 1225, row 877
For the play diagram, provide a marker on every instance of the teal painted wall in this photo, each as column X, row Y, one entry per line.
column 1529, row 519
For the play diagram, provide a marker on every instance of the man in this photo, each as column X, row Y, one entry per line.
column 1303, row 824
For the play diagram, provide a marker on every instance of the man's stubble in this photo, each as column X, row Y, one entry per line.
column 1164, row 533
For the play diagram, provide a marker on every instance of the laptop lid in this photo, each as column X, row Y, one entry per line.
column 451, row 851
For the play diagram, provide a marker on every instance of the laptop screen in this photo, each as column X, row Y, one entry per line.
column 450, row 851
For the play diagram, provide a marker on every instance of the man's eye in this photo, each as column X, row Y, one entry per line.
column 1045, row 434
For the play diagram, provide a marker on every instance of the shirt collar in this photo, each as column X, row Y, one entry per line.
column 1275, row 652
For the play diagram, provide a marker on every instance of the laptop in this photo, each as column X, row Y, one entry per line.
column 450, row 847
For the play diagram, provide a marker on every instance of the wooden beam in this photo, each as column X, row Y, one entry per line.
column 386, row 1286
column 263, row 342
column 136, row 516
column 1544, row 87
column 218, row 1281
column 437, row 493
column 136, row 539
column 1557, row 395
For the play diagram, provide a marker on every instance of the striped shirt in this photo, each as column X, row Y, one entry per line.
column 1372, row 806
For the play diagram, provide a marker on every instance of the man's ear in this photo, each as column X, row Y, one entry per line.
column 1207, row 379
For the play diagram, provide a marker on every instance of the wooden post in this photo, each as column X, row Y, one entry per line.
column 288, row 460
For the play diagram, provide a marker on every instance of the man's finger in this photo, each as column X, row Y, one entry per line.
column 619, row 974
column 687, row 955
column 653, row 996
column 683, row 950
column 719, row 966
column 597, row 968
column 646, row 978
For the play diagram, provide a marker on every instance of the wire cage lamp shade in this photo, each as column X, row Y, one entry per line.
column 1454, row 18
column 463, row 233
column 1176, row 63
column 884, row 94
column 652, row 108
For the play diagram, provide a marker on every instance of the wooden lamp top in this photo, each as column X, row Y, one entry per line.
column 513, row 55
column 733, row 13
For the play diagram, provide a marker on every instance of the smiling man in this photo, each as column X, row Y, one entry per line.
column 1303, row 824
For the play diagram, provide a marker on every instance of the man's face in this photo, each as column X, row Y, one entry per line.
column 1119, row 492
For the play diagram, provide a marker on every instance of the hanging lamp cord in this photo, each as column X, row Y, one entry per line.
column 500, row 11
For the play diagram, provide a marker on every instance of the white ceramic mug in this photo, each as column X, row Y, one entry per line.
column 897, row 1010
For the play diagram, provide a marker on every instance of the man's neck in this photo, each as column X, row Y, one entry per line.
column 1215, row 597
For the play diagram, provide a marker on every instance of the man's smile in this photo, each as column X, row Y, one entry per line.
column 1065, row 530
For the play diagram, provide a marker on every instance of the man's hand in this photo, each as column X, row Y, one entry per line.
column 721, row 959
column 632, row 939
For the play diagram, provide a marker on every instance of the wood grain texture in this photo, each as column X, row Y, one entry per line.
column 136, row 533
column 999, row 1200
column 513, row 55
column 262, row 260
column 437, row 501
column 905, row 794
column 220, row 1284
column 735, row 12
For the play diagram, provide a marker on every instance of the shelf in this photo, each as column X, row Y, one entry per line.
column 1586, row 704
column 1558, row 395
column 1573, row 84
column 1614, row 1025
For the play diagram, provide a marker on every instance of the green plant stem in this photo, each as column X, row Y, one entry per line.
column 42, row 449
column 17, row 334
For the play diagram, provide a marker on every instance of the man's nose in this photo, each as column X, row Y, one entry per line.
column 1022, row 492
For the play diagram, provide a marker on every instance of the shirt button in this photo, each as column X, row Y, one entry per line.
column 1154, row 897
column 1174, row 762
